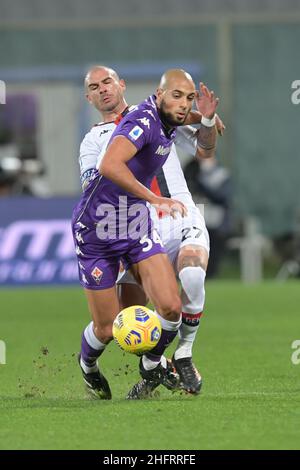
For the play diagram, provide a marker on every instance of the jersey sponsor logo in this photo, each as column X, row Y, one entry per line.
column 150, row 112
column 145, row 121
column 136, row 132
column 161, row 150
column 97, row 274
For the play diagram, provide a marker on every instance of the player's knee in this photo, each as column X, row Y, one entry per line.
column 191, row 256
column 170, row 309
column 103, row 332
column 192, row 279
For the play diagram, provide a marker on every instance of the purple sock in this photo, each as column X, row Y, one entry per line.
column 164, row 341
column 88, row 354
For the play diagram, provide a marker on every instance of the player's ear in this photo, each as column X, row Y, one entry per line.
column 159, row 94
column 123, row 84
column 88, row 98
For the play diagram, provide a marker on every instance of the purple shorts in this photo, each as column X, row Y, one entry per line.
column 99, row 260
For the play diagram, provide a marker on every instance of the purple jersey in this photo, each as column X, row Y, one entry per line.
column 111, row 224
column 143, row 127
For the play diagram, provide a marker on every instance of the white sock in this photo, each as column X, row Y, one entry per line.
column 185, row 345
column 148, row 364
column 193, row 298
column 167, row 324
column 92, row 339
column 88, row 369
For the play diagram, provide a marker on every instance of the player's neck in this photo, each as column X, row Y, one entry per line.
column 168, row 129
column 113, row 115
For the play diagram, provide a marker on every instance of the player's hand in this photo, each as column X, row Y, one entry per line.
column 206, row 101
column 165, row 205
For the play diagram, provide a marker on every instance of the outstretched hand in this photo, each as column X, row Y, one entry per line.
column 206, row 101
column 172, row 207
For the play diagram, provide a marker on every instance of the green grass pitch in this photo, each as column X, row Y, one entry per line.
column 250, row 398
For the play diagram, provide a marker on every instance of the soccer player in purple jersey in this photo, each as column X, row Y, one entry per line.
column 138, row 148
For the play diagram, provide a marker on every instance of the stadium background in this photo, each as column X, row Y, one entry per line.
column 247, row 51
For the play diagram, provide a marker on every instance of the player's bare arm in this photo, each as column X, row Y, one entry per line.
column 206, row 103
column 113, row 167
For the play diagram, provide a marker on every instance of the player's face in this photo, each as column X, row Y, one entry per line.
column 105, row 91
column 176, row 103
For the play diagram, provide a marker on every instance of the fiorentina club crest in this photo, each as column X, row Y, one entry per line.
column 97, row 274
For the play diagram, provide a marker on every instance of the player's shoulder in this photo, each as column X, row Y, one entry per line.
column 145, row 113
column 100, row 130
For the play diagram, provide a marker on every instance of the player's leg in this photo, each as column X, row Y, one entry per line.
column 130, row 292
column 191, row 267
column 103, row 306
column 98, row 267
column 159, row 284
column 150, row 265
column 97, row 276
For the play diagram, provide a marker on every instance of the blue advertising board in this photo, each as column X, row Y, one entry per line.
column 36, row 244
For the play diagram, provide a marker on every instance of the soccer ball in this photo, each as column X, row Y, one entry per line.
column 136, row 329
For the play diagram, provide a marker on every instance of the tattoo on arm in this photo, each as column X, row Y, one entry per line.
column 207, row 137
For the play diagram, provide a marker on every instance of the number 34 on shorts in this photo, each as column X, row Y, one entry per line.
column 148, row 242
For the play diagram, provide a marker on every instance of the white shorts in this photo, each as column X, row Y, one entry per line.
column 175, row 234
column 182, row 231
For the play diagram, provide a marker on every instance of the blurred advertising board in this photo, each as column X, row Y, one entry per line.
column 36, row 244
